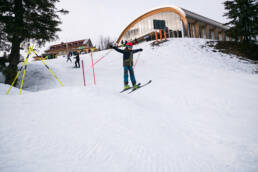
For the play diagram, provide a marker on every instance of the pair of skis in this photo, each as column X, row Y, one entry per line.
column 138, row 86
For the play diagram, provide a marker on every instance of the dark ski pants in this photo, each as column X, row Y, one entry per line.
column 77, row 63
column 68, row 59
column 131, row 72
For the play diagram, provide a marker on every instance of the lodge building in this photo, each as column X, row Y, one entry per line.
column 173, row 22
column 62, row 49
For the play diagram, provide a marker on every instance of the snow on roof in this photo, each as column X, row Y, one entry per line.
column 86, row 41
column 168, row 6
column 82, row 40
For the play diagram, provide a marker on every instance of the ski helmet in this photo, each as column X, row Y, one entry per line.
column 129, row 45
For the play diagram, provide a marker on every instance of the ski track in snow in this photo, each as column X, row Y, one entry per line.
column 198, row 114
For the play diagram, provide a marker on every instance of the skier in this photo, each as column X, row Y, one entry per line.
column 128, row 64
column 68, row 57
column 77, row 60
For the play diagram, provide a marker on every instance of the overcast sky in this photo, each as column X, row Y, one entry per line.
column 92, row 18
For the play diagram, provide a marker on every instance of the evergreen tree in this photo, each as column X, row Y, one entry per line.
column 24, row 21
column 243, row 16
column 4, row 46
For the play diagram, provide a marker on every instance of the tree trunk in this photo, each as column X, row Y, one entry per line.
column 16, row 41
column 13, row 59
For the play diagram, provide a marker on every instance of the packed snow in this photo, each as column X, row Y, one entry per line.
column 200, row 113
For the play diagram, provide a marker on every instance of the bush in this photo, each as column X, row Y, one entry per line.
column 243, row 49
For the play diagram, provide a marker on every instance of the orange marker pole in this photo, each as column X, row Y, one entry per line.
column 165, row 35
column 160, row 32
column 156, row 36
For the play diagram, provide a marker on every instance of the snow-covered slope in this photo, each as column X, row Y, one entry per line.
column 199, row 114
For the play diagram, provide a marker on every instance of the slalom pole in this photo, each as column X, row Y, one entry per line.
column 156, row 36
column 136, row 61
column 25, row 69
column 102, row 57
column 165, row 35
column 19, row 71
column 50, row 70
column 93, row 68
column 24, row 73
column 83, row 74
column 99, row 60
column 160, row 32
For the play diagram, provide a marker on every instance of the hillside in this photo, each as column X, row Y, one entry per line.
column 198, row 114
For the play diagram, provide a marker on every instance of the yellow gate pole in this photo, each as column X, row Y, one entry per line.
column 18, row 73
column 26, row 64
column 24, row 73
column 50, row 70
column 15, row 78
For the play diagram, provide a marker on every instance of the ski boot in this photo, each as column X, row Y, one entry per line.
column 126, row 87
column 135, row 86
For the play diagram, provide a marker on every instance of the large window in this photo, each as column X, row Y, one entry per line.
column 159, row 24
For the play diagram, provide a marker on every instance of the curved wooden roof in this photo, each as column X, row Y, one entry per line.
column 153, row 12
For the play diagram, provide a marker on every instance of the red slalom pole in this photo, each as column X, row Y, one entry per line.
column 99, row 60
column 83, row 74
column 136, row 63
column 93, row 68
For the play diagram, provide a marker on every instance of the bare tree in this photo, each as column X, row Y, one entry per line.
column 104, row 43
